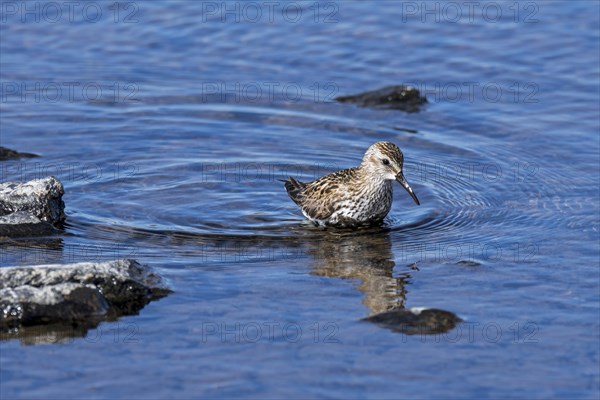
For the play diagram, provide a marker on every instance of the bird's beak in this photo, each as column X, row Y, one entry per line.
column 402, row 180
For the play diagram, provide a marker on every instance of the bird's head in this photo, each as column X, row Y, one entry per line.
column 385, row 160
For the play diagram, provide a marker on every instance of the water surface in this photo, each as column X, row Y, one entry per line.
column 170, row 123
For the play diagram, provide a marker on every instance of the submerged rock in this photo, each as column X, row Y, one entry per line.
column 416, row 321
column 31, row 208
column 8, row 154
column 404, row 98
column 468, row 263
column 75, row 294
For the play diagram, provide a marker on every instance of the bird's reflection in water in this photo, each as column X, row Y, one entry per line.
column 367, row 256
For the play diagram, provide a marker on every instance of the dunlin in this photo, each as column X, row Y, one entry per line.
column 356, row 196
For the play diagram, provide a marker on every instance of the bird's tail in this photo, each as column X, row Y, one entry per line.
column 294, row 188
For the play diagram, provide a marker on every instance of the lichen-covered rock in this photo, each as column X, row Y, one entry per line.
column 413, row 321
column 41, row 198
column 74, row 293
column 400, row 97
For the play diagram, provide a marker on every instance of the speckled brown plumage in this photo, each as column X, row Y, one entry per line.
column 354, row 196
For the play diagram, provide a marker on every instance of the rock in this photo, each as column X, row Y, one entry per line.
column 468, row 263
column 404, row 98
column 30, row 305
column 31, row 208
column 23, row 224
column 416, row 321
column 8, row 154
column 399, row 128
column 75, row 293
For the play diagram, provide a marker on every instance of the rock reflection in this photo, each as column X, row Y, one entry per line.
column 31, row 251
column 49, row 334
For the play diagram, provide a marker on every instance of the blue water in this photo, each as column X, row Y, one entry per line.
column 170, row 123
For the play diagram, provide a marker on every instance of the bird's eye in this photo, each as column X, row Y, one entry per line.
column 385, row 161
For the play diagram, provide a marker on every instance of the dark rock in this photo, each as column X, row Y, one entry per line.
column 75, row 293
column 416, row 321
column 8, row 154
column 404, row 98
column 30, row 305
column 399, row 128
column 468, row 263
column 23, row 224
column 31, row 208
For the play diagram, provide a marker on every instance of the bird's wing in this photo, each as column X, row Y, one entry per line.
column 322, row 197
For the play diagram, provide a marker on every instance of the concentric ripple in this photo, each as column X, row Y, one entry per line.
column 185, row 192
